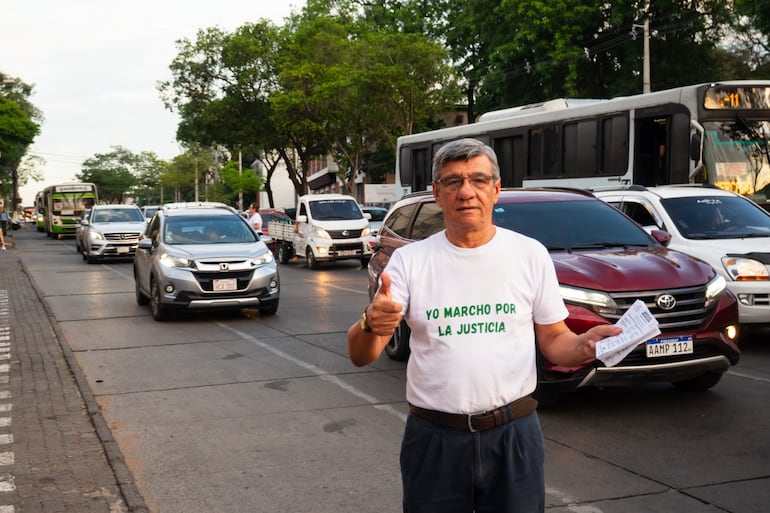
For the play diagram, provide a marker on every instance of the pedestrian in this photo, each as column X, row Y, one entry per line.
column 255, row 220
column 475, row 296
column 4, row 220
column 2, row 241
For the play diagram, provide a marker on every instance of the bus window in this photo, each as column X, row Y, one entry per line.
column 614, row 145
column 511, row 159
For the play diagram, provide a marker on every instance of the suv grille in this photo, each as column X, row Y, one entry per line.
column 688, row 313
column 129, row 236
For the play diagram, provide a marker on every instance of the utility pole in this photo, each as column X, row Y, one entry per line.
column 646, row 63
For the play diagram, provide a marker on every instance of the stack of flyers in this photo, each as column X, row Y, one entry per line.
column 638, row 326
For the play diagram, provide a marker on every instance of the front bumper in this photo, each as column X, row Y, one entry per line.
column 186, row 289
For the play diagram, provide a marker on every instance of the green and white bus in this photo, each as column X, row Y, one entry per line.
column 62, row 205
column 714, row 133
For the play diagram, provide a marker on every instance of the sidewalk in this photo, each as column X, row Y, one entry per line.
column 57, row 454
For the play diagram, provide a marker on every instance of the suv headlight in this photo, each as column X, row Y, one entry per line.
column 366, row 231
column 264, row 258
column 93, row 234
column 599, row 302
column 745, row 269
column 169, row 260
column 714, row 289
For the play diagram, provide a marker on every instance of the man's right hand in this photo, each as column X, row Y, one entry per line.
column 384, row 314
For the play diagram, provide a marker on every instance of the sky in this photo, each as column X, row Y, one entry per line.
column 95, row 67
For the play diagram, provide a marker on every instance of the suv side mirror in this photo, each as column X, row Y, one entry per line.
column 661, row 236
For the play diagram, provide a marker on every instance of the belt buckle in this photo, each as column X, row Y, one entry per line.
column 470, row 421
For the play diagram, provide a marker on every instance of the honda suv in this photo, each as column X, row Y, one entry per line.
column 604, row 262
column 203, row 256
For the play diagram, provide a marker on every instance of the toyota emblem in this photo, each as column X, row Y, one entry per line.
column 224, row 266
column 345, row 233
column 666, row 302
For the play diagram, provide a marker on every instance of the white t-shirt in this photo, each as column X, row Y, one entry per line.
column 256, row 219
column 471, row 312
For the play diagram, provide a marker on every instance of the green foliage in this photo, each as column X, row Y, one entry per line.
column 114, row 173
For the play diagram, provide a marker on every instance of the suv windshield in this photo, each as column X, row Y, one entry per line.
column 208, row 230
column 335, row 210
column 717, row 217
column 565, row 225
column 117, row 215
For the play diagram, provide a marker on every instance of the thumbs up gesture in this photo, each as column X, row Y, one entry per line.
column 384, row 314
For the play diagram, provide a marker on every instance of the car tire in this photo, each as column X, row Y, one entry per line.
column 365, row 262
column 268, row 308
column 398, row 345
column 141, row 298
column 159, row 312
column 90, row 259
column 312, row 263
column 283, row 253
column 700, row 383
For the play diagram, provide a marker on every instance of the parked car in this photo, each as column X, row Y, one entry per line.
column 110, row 232
column 604, row 262
column 727, row 230
column 195, row 256
column 378, row 214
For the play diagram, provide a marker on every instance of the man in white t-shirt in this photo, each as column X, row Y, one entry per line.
column 255, row 220
column 474, row 296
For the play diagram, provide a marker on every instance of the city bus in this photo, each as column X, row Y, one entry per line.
column 715, row 133
column 62, row 205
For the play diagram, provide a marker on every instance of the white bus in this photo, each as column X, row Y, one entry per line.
column 715, row 133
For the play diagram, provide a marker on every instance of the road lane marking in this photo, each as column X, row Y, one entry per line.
column 313, row 369
column 333, row 286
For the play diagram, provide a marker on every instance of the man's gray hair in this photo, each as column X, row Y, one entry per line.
column 463, row 149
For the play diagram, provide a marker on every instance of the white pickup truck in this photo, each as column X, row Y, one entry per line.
column 327, row 228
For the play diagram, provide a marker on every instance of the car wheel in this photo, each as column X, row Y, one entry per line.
column 283, row 254
column 700, row 383
column 90, row 259
column 312, row 263
column 141, row 299
column 398, row 345
column 159, row 313
column 268, row 308
column 365, row 261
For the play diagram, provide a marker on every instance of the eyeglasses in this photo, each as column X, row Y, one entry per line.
column 454, row 182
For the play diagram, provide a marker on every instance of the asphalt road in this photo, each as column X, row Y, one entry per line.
column 232, row 412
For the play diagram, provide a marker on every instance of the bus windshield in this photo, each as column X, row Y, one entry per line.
column 736, row 154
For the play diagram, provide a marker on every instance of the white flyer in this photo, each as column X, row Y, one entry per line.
column 638, row 325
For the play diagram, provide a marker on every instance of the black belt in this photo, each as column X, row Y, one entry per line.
column 479, row 421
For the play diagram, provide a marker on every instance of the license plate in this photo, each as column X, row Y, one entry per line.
column 346, row 252
column 225, row 284
column 123, row 249
column 669, row 346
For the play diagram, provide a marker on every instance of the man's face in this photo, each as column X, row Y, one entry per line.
column 469, row 206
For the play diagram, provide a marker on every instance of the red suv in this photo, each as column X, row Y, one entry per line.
column 604, row 262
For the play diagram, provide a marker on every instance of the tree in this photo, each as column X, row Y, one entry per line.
column 525, row 51
column 17, row 129
column 113, row 173
column 354, row 89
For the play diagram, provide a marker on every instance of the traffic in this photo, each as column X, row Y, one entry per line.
column 232, row 411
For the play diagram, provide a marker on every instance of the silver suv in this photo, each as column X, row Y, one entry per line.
column 110, row 232
column 203, row 256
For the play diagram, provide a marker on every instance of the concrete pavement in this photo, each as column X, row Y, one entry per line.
column 57, row 454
